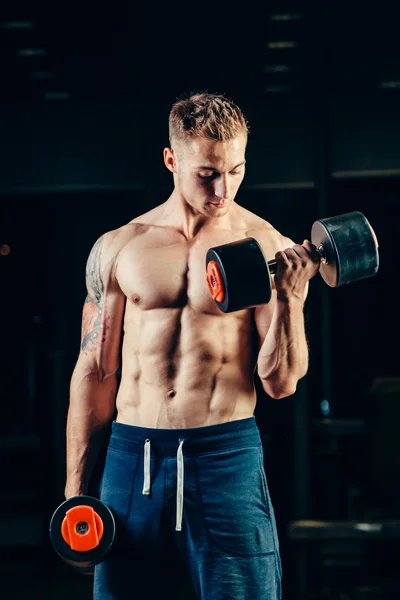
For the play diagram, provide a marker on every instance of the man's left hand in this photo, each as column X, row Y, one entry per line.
column 294, row 268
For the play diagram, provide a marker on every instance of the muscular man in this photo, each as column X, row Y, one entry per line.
column 184, row 469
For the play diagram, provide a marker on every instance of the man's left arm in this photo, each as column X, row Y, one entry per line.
column 283, row 356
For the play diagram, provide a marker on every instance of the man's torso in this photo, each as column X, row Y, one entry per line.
column 184, row 362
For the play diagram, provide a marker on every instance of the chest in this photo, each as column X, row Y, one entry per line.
column 157, row 274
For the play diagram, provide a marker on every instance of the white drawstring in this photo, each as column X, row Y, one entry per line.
column 146, row 484
column 180, row 480
column 179, row 488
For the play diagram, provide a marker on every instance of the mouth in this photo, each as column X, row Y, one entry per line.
column 221, row 205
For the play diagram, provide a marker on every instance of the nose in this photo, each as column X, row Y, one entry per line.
column 221, row 187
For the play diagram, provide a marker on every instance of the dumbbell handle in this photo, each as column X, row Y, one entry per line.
column 272, row 263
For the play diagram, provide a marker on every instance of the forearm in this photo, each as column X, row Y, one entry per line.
column 283, row 357
column 90, row 411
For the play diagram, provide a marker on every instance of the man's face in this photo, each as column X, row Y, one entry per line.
column 208, row 173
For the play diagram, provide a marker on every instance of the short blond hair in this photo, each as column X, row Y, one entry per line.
column 211, row 116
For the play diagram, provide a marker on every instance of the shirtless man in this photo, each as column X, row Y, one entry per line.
column 184, row 469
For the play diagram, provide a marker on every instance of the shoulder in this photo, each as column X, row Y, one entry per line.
column 110, row 243
column 270, row 239
column 104, row 253
column 270, row 236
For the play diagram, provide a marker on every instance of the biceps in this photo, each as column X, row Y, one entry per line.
column 101, row 331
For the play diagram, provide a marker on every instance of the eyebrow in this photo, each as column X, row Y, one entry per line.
column 208, row 168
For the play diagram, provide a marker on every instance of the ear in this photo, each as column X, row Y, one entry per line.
column 169, row 159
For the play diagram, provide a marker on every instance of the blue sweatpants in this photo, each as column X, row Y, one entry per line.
column 194, row 515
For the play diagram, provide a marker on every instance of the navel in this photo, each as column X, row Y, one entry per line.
column 171, row 394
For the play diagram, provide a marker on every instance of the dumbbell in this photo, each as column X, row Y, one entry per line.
column 239, row 276
column 82, row 532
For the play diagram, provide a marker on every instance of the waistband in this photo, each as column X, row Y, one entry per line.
column 198, row 440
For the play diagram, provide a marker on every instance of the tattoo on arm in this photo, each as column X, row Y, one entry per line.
column 93, row 319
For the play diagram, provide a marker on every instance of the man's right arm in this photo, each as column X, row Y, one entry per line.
column 94, row 380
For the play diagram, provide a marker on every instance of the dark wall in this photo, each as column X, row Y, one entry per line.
column 119, row 145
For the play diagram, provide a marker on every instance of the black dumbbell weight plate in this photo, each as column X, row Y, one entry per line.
column 243, row 275
column 350, row 248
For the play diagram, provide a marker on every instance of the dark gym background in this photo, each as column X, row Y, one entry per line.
column 85, row 95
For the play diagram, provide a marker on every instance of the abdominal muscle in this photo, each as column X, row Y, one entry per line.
column 183, row 368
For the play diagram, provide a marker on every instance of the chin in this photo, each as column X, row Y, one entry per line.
column 217, row 211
